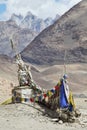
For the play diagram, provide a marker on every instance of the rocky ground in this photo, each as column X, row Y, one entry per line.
column 31, row 117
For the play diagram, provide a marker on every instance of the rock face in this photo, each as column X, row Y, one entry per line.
column 67, row 37
column 32, row 22
column 21, row 37
column 17, row 18
column 22, row 30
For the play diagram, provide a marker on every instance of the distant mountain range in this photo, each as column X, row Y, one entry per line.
column 32, row 22
column 21, row 37
column 65, row 40
column 22, row 30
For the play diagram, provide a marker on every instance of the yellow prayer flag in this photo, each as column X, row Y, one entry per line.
column 71, row 100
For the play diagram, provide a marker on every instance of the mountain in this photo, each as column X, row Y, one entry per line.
column 22, row 30
column 65, row 40
column 56, row 17
column 16, row 18
column 21, row 37
column 32, row 22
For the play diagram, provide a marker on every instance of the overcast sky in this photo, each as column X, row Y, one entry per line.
column 41, row 8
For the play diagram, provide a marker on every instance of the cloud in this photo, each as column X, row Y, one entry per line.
column 41, row 8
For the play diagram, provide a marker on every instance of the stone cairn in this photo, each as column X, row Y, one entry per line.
column 29, row 91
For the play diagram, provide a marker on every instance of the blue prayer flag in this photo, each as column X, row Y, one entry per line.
column 63, row 98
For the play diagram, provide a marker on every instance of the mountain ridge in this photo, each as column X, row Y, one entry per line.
column 33, row 22
column 66, row 34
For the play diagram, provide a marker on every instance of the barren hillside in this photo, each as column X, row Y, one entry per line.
column 67, row 36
